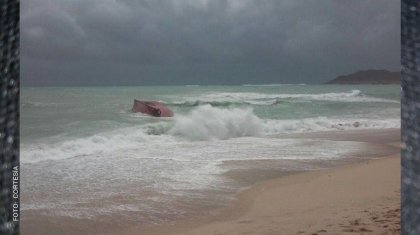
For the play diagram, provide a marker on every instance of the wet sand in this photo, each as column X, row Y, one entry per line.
column 355, row 198
column 359, row 194
column 361, row 198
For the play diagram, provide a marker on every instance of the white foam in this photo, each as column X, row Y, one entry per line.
column 327, row 124
column 207, row 123
column 203, row 123
column 166, row 159
column 171, row 170
column 277, row 84
column 98, row 144
column 41, row 104
column 269, row 99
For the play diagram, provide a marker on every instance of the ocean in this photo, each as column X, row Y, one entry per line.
column 85, row 155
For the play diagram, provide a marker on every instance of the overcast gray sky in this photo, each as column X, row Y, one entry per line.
column 143, row 42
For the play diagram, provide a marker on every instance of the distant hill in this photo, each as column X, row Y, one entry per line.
column 368, row 77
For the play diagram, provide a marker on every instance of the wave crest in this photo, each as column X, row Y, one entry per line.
column 207, row 123
column 237, row 98
column 202, row 123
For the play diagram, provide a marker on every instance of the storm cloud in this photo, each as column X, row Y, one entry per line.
column 143, row 42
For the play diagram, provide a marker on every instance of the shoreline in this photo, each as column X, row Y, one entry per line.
column 255, row 210
column 360, row 212
column 236, row 216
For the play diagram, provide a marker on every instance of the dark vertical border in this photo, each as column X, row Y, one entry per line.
column 410, row 117
column 9, row 117
column 410, row 114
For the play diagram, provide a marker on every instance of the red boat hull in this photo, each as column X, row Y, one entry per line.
column 152, row 108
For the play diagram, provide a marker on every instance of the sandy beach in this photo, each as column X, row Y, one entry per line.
column 361, row 197
column 210, row 117
column 356, row 195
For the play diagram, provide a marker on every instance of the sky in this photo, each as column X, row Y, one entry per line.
column 176, row 42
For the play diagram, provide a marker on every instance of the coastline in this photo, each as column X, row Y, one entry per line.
column 336, row 204
column 357, row 196
column 335, row 197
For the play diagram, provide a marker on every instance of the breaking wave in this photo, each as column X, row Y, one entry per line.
column 201, row 124
column 207, row 122
column 276, row 84
column 40, row 104
column 232, row 98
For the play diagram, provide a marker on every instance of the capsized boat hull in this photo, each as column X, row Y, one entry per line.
column 152, row 108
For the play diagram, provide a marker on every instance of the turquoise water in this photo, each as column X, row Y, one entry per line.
column 76, row 111
column 84, row 146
